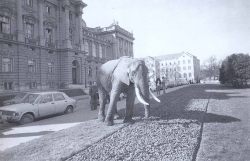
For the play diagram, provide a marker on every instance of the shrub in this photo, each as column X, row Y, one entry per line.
column 235, row 69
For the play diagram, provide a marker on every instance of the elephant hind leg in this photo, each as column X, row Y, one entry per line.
column 102, row 101
column 114, row 95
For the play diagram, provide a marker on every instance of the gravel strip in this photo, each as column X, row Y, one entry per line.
column 171, row 136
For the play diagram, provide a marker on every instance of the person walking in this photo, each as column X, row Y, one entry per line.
column 93, row 92
column 158, row 86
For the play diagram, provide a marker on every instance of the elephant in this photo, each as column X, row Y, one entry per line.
column 124, row 75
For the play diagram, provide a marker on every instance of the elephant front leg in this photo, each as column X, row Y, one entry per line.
column 112, row 105
column 116, row 115
column 129, row 106
column 101, row 114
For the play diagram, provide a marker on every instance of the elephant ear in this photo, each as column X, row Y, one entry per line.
column 122, row 71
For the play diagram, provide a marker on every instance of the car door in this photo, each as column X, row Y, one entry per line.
column 46, row 106
column 60, row 102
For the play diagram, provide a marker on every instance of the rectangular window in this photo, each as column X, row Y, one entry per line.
column 29, row 3
column 70, row 15
column 184, row 68
column 32, row 66
column 8, row 85
column 189, row 61
column 189, row 67
column 48, row 35
column 184, row 62
column 190, row 75
column 97, row 50
column 29, row 30
column 89, row 48
column 4, row 24
column 7, row 65
column 33, row 85
column 48, row 10
column 46, row 98
column 58, row 97
column 50, row 67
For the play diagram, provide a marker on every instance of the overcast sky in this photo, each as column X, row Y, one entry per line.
column 200, row 27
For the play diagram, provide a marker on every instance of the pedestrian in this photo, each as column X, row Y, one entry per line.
column 93, row 92
column 163, row 82
column 158, row 86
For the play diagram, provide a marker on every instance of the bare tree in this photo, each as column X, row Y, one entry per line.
column 210, row 68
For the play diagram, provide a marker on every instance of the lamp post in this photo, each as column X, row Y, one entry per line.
column 85, row 70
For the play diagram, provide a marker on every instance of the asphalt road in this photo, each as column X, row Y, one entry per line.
column 19, row 134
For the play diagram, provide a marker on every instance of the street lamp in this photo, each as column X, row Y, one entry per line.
column 85, row 70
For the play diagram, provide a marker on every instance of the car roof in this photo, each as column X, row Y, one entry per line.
column 47, row 92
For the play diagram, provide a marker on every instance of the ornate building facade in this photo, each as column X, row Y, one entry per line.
column 45, row 44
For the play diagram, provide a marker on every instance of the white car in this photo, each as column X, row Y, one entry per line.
column 36, row 105
column 17, row 99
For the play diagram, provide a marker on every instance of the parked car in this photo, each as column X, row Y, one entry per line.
column 17, row 99
column 36, row 105
column 181, row 81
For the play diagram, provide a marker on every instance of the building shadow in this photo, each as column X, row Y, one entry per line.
column 175, row 105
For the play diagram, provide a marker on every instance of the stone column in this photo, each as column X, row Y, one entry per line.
column 41, row 27
column 67, row 42
column 20, row 32
column 79, row 27
column 79, row 11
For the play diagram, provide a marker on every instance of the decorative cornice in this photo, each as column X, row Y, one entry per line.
column 6, row 10
column 30, row 17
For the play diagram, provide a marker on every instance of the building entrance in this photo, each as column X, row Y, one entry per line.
column 75, row 72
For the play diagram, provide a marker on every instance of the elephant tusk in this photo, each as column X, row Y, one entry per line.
column 154, row 97
column 138, row 95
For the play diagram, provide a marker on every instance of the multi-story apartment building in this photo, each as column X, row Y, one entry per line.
column 181, row 65
column 46, row 44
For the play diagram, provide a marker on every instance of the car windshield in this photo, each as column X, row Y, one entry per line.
column 30, row 98
column 20, row 95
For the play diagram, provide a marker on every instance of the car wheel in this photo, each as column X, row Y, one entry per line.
column 26, row 118
column 69, row 109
